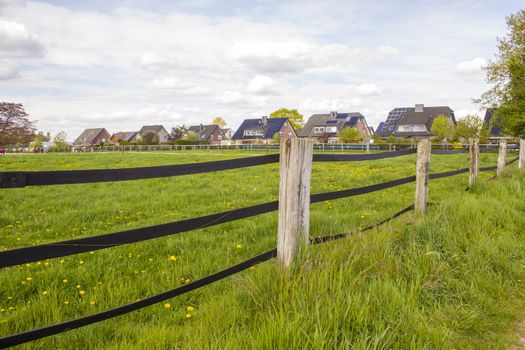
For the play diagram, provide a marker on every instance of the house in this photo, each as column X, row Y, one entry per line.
column 380, row 128
column 496, row 131
column 263, row 130
column 228, row 132
column 125, row 136
column 157, row 130
column 413, row 122
column 212, row 134
column 326, row 127
column 92, row 137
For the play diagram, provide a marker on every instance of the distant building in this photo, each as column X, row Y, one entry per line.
column 326, row 127
column 92, row 137
column 212, row 134
column 155, row 129
column 263, row 130
column 228, row 132
column 126, row 136
column 413, row 122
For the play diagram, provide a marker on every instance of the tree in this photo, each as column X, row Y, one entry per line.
column 349, row 135
column 15, row 126
column 472, row 126
column 276, row 138
column 506, row 74
column 219, row 121
column 150, row 138
column 295, row 118
column 60, row 140
column 37, row 142
column 192, row 136
column 442, row 128
column 179, row 131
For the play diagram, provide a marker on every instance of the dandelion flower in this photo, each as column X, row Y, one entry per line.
column 172, row 258
column 92, row 302
column 188, row 315
column 44, row 292
column 66, row 302
column 189, row 308
column 28, row 278
column 78, row 285
column 64, row 281
column 81, row 262
column 187, row 280
column 82, row 292
column 167, row 305
column 238, row 246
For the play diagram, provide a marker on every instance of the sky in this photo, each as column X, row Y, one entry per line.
column 124, row 64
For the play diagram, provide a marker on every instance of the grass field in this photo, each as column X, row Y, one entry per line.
column 452, row 280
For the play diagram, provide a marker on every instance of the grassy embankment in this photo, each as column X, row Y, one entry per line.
column 451, row 280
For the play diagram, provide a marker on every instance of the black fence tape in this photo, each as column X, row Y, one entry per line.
column 44, row 178
column 82, row 245
column 360, row 157
column 512, row 161
column 451, row 151
column 39, row 333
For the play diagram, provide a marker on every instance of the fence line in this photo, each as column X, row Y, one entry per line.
column 27, row 254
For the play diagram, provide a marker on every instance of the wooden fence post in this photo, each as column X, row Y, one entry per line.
column 501, row 156
column 422, row 175
column 521, row 162
column 294, row 198
column 474, row 162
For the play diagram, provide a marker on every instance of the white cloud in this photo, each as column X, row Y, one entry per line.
column 260, row 84
column 326, row 105
column 16, row 41
column 388, row 50
column 369, row 90
column 471, row 66
column 175, row 86
column 8, row 70
column 241, row 101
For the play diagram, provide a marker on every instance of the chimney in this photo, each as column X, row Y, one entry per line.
column 333, row 114
column 419, row 107
column 201, row 127
column 264, row 120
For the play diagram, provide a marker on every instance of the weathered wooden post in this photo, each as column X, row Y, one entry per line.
column 368, row 147
column 422, row 176
column 501, row 157
column 294, row 198
column 521, row 162
column 474, row 162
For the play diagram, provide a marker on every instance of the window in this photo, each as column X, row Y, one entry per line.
column 319, row 129
column 331, row 129
column 211, row 137
column 219, row 137
column 259, row 133
column 248, row 133
column 412, row 128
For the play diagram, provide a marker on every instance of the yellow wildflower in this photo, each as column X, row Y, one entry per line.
column 167, row 305
column 92, row 302
column 238, row 246
column 172, row 258
column 66, row 302
column 188, row 315
column 44, row 292
column 82, row 292
column 64, row 281
column 189, row 308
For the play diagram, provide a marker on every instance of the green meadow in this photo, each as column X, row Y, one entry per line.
column 453, row 279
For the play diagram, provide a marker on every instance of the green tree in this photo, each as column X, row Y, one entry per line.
column 442, row 128
column 472, row 126
column 37, row 142
column 349, row 135
column 276, row 138
column 150, row 138
column 295, row 118
column 192, row 136
column 60, row 140
column 506, row 74
column 219, row 121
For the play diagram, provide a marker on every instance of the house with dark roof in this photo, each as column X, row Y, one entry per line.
column 92, row 137
column 263, row 130
column 125, row 136
column 155, row 129
column 326, row 127
column 413, row 122
column 492, row 123
column 212, row 134
column 228, row 132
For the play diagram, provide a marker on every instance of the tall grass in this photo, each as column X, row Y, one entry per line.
column 450, row 280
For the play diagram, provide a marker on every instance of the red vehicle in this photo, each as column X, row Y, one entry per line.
column 2, row 150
